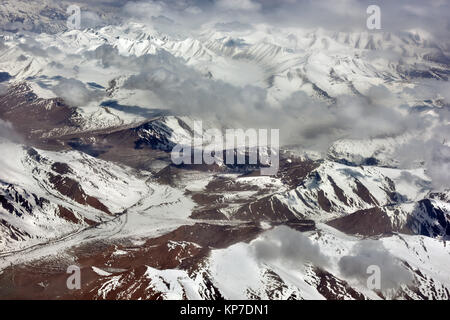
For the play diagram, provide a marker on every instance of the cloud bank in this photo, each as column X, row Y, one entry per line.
column 304, row 120
column 349, row 15
column 288, row 247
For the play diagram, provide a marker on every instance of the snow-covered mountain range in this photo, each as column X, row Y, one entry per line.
column 88, row 119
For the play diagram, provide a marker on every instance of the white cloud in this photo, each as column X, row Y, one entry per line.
column 7, row 132
column 238, row 5
column 288, row 246
column 143, row 10
column 75, row 93
column 372, row 252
